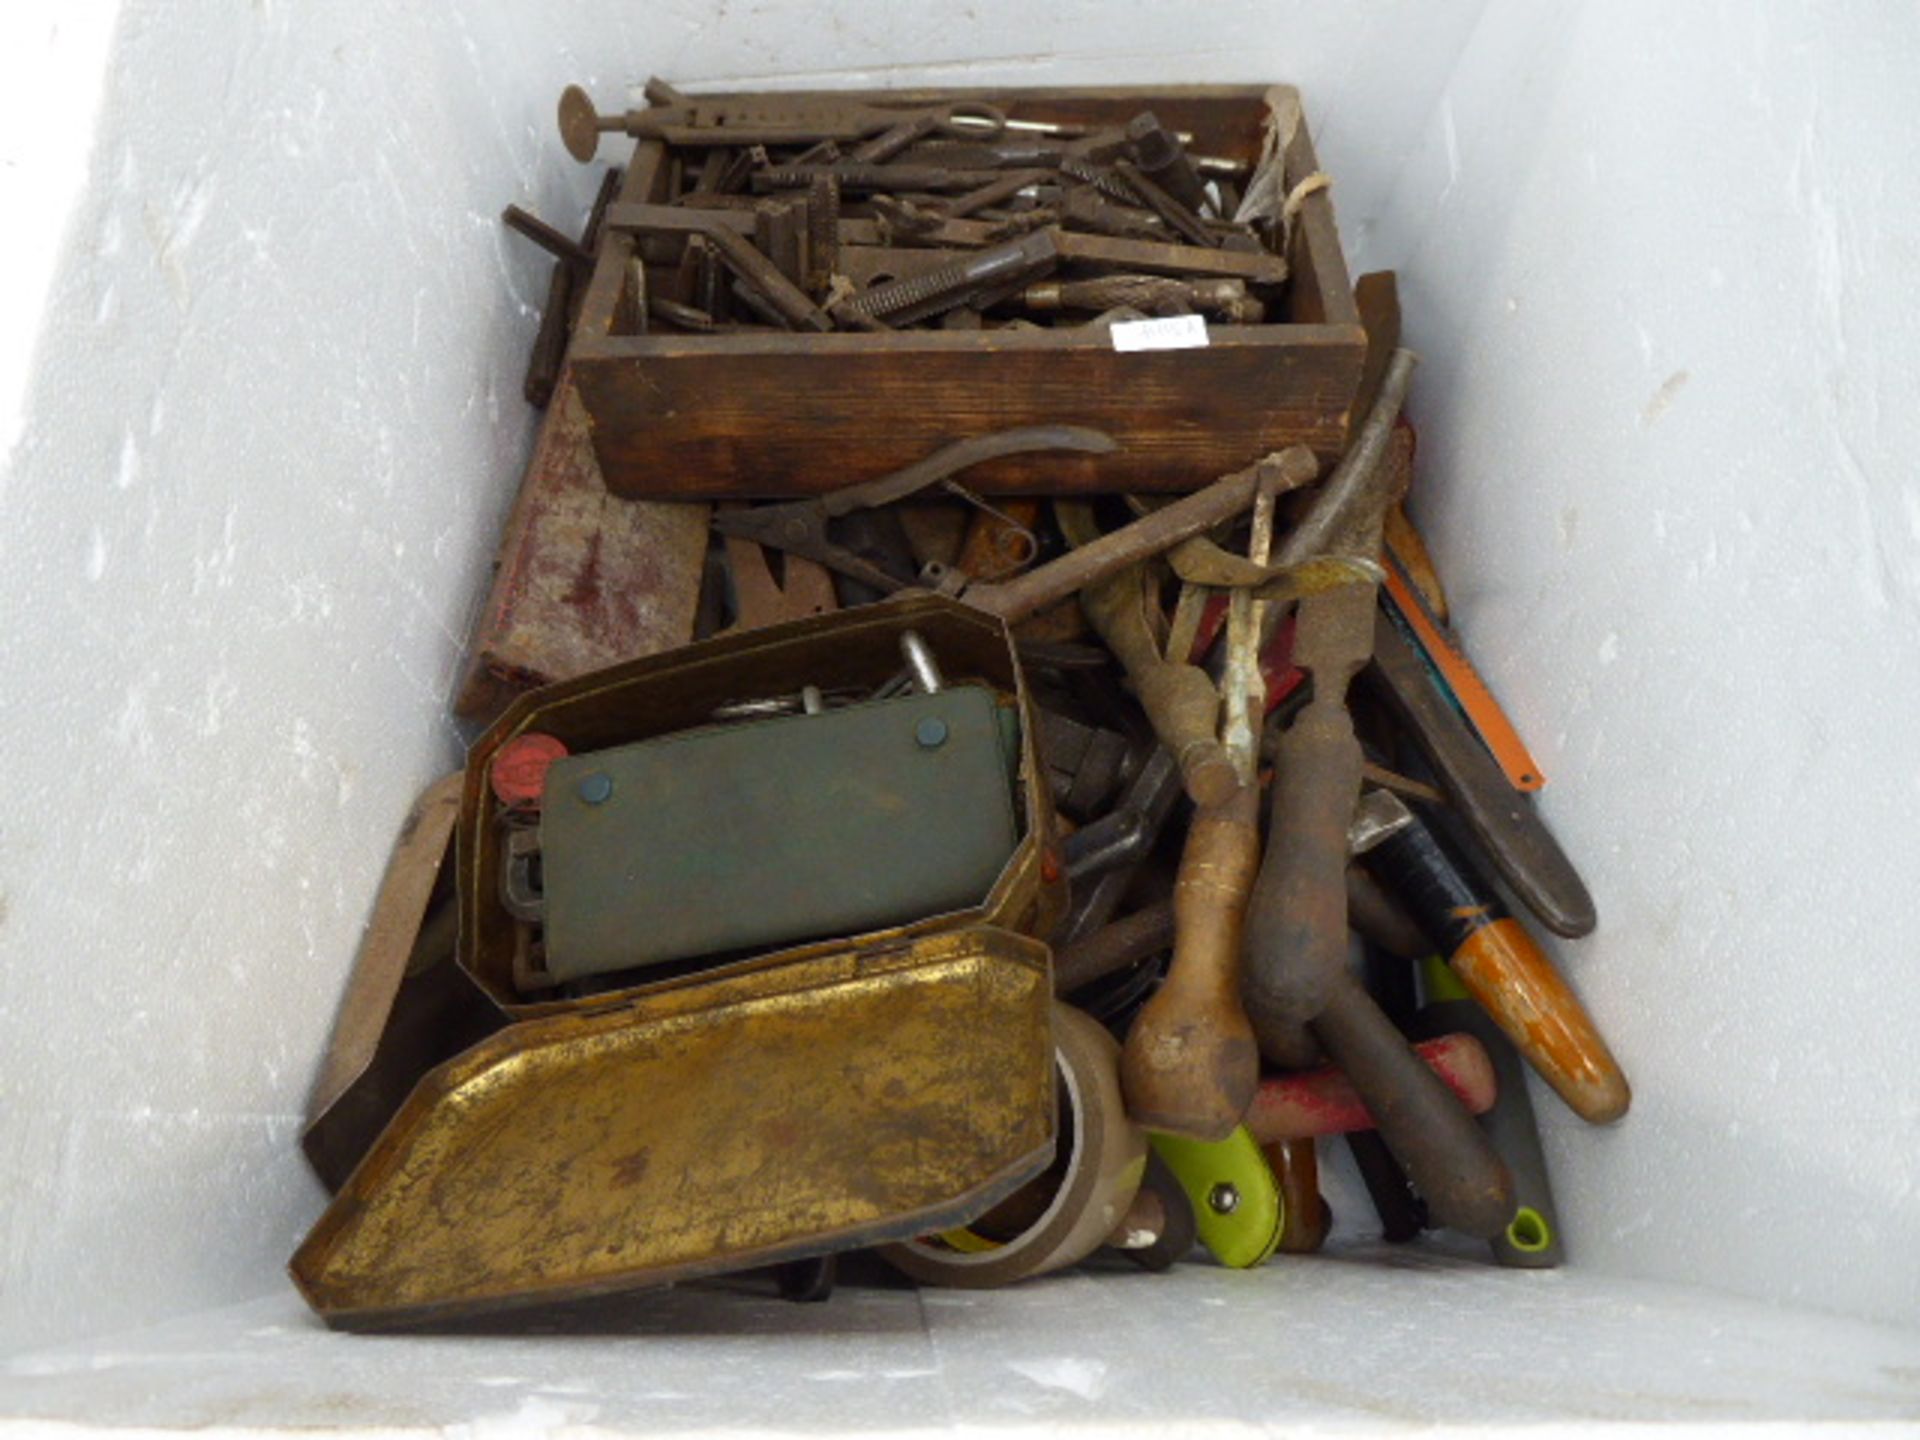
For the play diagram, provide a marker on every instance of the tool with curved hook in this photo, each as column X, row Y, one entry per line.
column 799, row 527
column 766, row 120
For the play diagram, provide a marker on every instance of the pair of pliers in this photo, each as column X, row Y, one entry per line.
column 799, row 527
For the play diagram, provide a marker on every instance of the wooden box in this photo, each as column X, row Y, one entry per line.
column 769, row 415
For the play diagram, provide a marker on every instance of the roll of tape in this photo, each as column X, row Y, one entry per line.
column 1106, row 1158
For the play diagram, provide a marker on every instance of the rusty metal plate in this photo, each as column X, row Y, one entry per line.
column 849, row 1100
column 583, row 578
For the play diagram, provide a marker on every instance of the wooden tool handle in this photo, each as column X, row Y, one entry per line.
column 1297, row 920
column 1296, row 1166
column 1516, row 983
column 1443, row 1149
column 1190, row 1065
column 1502, row 967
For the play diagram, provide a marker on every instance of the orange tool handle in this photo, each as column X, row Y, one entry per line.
column 1489, row 721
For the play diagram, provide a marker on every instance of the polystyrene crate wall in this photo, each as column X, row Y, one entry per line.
column 269, row 429
column 1661, row 261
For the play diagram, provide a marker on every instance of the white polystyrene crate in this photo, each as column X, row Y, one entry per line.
column 260, row 344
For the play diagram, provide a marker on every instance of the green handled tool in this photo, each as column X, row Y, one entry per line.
column 1236, row 1200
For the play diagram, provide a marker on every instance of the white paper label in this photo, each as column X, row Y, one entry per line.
column 1171, row 332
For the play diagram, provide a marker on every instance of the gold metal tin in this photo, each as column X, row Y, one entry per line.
column 838, row 1101
column 678, row 690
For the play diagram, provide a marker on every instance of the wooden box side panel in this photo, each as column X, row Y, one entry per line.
column 716, row 421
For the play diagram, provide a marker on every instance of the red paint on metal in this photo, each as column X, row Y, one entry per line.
column 519, row 771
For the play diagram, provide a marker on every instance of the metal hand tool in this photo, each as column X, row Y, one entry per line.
column 893, row 223
column 1531, row 1240
column 1505, row 824
column 806, row 588
column 1494, row 957
column 1181, row 703
column 891, row 141
column 904, row 301
column 1178, row 217
column 1100, row 178
column 1403, row 1213
column 1405, row 547
column 1155, row 294
column 767, row 120
column 1378, row 918
column 1151, row 798
column 1469, row 692
column 1299, row 994
column 991, row 192
column 572, row 269
column 549, row 351
column 724, row 235
column 1081, row 207
column 1168, row 1212
column 893, row 178
column 823, row 235
column 564, row 248
column 1085, row 763
column 779, row 233
column 1124, row 943
column 1003, row 154
column 1118, row 840
column 1190, row 1064
column 800, row 524
column 878, row 537
column 799, row 527
column 1163, row 158
column 1298, row 922
column 1445, row 1153
column 1164, row 259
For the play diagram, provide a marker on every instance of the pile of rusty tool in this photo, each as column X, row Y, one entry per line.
column 854, row 215
column 987, row 883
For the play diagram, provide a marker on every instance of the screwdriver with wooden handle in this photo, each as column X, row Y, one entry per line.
column 1298, row 991
column 1298, row 918
column 1191, row 1064
column 1494, row 956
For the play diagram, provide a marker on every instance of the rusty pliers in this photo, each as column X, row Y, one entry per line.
column 799, row 527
